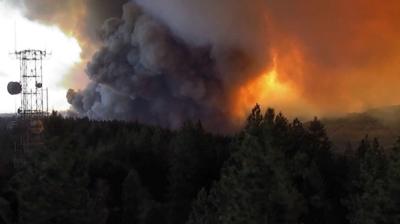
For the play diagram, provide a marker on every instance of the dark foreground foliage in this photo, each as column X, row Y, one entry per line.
column 273, row 171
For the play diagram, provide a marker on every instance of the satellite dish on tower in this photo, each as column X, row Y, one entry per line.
column 14, row 88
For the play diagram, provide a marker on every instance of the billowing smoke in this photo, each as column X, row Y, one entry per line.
column 81, row 18
column 168, row 61
column 145, row 72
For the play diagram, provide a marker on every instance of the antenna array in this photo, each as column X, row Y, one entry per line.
column 33, row 107
column 31, row 80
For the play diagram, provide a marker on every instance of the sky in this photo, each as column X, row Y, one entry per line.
column 163, row 62
column 65, row 54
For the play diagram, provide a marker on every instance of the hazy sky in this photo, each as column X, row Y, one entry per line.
column 65, row 52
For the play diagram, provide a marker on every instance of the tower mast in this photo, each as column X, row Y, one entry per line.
column 33, row 107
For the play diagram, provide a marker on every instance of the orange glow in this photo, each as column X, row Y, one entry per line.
column 329, row 57
column 266, row 89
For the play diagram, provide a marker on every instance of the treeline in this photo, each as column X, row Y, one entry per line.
column 272, row 171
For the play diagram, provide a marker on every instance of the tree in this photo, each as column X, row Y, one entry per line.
column 194, row 165
column 369, row 199
column 254, row 121
column 255, row 187
column 52, row 187
column 136, row 202
column 393, row 215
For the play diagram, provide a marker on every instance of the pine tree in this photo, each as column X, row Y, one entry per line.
column 255, row 187
column 369, row 199
column 136, row 201
column 193, row 166
column 52, row 188
column 393, row 215
column 254, row 121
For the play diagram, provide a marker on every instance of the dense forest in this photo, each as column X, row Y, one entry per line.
column 272, row 171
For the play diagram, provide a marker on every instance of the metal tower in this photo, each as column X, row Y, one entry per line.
column 33, row 106
column 31, row 80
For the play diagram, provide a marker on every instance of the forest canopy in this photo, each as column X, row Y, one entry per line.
column 272, row 171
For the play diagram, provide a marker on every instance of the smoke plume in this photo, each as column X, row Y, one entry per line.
column 145, row 72
column 168, row 61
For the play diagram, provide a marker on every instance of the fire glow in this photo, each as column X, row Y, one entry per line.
column 265, row 89
column 164, row 62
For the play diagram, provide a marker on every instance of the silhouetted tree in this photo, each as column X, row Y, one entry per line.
column 369, row 199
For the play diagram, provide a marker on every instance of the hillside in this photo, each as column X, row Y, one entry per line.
column 382, row 123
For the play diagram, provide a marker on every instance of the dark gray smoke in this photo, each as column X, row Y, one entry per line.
column 173, row 60
column 148, row 72
column 144, row 73
column 162, row 62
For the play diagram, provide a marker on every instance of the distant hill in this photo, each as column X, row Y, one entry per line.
column 382, row 123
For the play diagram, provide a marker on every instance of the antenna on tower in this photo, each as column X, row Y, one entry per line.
column 33, row 108
column 15, row 35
